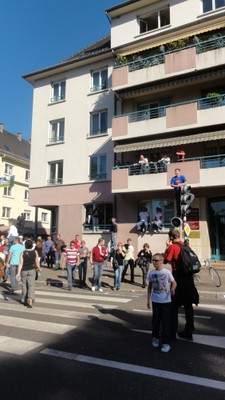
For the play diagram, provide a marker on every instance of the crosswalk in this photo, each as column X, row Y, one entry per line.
column 55, row 313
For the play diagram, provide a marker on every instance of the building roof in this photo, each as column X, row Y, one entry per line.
column 14, row 146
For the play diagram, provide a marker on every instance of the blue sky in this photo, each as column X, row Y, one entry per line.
column 36, row 34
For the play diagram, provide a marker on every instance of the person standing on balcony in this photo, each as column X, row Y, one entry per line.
column 95, row 218
column 143, row 162
column 162, row 163
column 180, row 155
column 177, row 182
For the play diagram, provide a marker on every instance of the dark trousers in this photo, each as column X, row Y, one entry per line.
column 189, row 316
column 82, row 272
column 144, row 269
column 128, row 263
column 50, row 259
column 161, row 314
column 177, row 197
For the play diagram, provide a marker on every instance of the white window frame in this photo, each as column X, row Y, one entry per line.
column 6, row 212
column 143, row 19
column 101, row 85
column 61, row 96
column 27, row 215
column 100, row 175
column 57, row 134
column 26, row 194
column 213, row 8
column 100, row 130
column 9, row 169
column 56, row 179
column 44, row 217
column 8, row 191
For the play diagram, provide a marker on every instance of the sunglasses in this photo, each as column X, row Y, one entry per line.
column 154, row 260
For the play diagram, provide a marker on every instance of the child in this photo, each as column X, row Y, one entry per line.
column 161, row 286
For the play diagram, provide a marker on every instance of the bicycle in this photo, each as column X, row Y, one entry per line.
column 213, row 274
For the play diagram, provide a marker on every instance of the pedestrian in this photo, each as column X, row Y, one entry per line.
column 177, row 182
column 144, row 258
column 160, row 288
column 13, row 261
column 71, row 259
column 186, row 293
column 113, row 230
column 84, row 254
column 116, row 262
column 98, row 257
column 12, row 233
column 49, row 251
column 27, row 270
column 59, row 242
column 76, row 242
column 128, row 260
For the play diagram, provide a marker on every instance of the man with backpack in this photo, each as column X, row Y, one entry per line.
column 184, row 264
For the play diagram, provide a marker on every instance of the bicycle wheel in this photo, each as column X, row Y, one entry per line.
column 214, row 276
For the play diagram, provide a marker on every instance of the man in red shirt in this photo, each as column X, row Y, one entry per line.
column 72, row 258
column 98, row 256
column 76, row 241
column 186, row 293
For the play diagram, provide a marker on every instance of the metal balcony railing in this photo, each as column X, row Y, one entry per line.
column 56, row 139
column 56, row 181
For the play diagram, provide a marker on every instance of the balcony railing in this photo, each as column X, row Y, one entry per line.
column 159, row 167
column 57, row 98
column 98, row 177
column 56, row 139
column 158, row 112
column 201, row 47
column 92, row 228
column 97, row 88
column 57, row 181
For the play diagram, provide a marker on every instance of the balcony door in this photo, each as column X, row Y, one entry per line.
column 217, row 228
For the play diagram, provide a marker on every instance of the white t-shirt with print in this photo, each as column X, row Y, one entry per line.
column 161, row 281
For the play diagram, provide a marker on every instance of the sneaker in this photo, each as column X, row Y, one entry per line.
column 114, row 288
column 165, row 348
column 29, row 303
column 184, row 335
column 93, row 288
column 118, row 288
column 100, row 290
column 155, row 342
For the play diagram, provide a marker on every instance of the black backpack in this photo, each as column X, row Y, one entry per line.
column 188, row 262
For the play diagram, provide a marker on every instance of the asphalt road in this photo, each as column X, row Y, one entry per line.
column 85, row 345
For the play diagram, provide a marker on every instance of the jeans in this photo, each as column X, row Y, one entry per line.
column 28, row 285
column 57, row 259
column 113, row 239
column 161, row 314
column 117, row 278
column 82, row 271
column 144, row 269
column 70, row 274
column 13, row 272
column 140, row 223
column 97, row 277
column 128, row 263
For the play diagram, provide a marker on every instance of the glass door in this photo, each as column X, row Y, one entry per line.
column 217, row 228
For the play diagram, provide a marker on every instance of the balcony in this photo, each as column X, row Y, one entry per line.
column 56, row 181
column 201, row 112
column 200, row 172
column 198, row 56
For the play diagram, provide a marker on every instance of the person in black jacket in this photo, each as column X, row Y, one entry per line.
column 144, row 258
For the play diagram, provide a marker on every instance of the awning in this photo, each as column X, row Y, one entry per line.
column 183, row 35
column 169, row 142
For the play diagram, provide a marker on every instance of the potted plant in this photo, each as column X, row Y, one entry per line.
column 214, row 98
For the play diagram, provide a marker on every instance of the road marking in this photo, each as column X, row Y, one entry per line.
column 83, row 296
column 180, row 315
column 189, row 379
column 212, row 306
column 40, row 326
column 17, row 346
column 48, row 311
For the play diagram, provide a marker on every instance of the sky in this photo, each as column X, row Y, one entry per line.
column 36, row 34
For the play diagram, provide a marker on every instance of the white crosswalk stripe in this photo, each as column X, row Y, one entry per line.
column 18, row 322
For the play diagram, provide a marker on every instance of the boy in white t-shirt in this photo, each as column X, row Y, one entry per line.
column 160, row 288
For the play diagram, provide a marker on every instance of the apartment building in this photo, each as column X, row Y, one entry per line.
column 170, row 95
column 153, row 87
column 15, row 170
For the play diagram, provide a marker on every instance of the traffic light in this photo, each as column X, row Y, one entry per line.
column 186, row 198
column 176, row 222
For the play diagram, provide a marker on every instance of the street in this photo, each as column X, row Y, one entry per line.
column 85, row 345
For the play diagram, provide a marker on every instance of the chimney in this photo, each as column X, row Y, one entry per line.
column 1, row 127
column 19, row 136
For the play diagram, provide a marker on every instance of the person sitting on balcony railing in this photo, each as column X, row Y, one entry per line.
column 180, row 155
column 143, row 162
column 163, row 162
column 144, row 216
column 157, row 224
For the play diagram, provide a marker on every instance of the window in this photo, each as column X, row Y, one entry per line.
column 55, row 172
column 105, row 215
column 26, row 195
column 6, row 212
column 209, row 5
column 98, row 167
column 8, row 169
column 99, row 80
column 26, row 215
column 166, row 206
column 27, row 175
column 58, row 91
column 152, row 111
column 99, row 123
column 8, row 191
column 57, row 131
column 155, row 20
column 44, row 217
